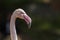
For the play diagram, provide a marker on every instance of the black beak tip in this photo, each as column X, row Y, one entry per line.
column 29, row 25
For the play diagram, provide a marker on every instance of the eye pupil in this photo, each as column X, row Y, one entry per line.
column 21, row 12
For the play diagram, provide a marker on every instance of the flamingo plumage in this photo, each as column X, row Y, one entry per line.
column 18, row 13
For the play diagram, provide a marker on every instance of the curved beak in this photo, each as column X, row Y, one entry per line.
column 28, row 20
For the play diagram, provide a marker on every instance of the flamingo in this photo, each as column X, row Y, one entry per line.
column 18, row 13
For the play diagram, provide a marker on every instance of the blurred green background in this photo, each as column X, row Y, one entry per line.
column 45, row 16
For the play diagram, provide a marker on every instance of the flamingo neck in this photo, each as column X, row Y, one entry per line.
column 12, row 28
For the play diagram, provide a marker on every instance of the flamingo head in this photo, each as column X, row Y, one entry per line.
column 20, row 13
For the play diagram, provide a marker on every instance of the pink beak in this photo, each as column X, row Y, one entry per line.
column 28, row 20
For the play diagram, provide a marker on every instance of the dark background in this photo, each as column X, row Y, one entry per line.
column 45, row 16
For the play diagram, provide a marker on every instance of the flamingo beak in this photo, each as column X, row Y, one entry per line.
column 28, row 20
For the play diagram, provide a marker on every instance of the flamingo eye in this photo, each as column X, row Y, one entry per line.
column 21, row 12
